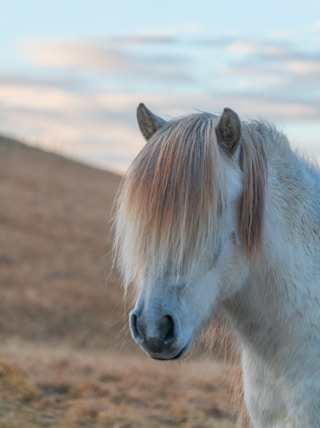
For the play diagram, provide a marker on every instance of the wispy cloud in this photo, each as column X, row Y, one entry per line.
column 172, row 59
column 82, row 94
column 117, row 57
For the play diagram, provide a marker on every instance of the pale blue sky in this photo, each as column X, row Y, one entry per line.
column 72, row 73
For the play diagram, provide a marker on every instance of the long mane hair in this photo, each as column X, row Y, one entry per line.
column 169, row 213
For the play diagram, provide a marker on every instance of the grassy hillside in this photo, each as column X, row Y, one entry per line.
column 55, row 264
column 65, row 358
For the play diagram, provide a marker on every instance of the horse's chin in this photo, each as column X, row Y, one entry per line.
column 182, row 353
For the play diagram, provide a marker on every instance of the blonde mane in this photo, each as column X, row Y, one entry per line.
column 170, row 207
column 254, row 165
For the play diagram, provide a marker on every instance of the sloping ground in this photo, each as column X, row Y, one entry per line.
column 55, row 263
column 65, row 359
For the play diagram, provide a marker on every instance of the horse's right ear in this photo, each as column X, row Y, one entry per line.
column 228, row 131
column 148, row 122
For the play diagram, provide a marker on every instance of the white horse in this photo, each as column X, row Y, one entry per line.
column 221, row 215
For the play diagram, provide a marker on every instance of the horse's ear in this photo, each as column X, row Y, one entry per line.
column 228, row 131
column 148, row 122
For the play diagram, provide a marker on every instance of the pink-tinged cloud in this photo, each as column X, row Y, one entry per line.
column 83, row 95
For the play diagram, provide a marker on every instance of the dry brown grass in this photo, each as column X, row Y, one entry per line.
column 65, row 359
column 60, row 387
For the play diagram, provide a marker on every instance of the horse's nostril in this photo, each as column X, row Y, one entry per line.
column 168, row 330
column 134, row 327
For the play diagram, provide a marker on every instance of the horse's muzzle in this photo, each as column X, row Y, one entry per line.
column 156, row 336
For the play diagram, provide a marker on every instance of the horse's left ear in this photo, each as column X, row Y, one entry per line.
column 148, row 122
column 228, row 131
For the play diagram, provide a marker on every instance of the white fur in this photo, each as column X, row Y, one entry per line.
column 272, row 299
column 277, row 312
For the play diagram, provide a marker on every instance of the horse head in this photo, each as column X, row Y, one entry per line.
column 179, row 226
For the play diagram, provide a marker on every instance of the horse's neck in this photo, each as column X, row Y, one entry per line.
column 292, row 216
column 283, row 285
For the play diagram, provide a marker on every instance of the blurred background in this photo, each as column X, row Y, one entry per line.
column 72, row 74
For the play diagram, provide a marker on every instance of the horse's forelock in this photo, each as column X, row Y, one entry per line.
column 168, row 209
column 171, row 198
